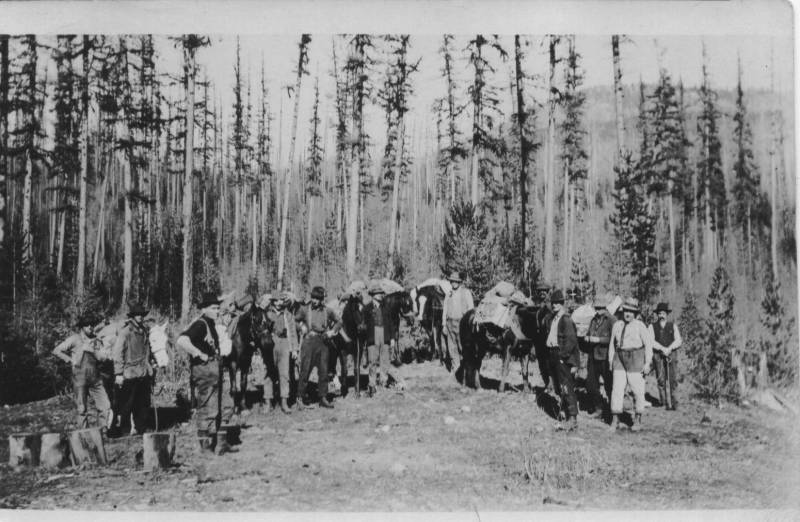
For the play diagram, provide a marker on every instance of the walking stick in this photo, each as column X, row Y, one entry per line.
column 667, row 383
column 357, row 367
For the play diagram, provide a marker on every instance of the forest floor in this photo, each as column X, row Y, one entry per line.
column 434, row 446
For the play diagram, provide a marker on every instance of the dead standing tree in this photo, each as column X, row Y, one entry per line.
column 302, row 63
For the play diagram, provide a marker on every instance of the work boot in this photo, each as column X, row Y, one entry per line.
column 323, row 402
column 208, row 441
column 572, row 423
column 614, row 422
column 371, row 391
column 300, row 405
column 285, row 407
column 637, row 422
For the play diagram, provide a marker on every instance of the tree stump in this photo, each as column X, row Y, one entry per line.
column 159, row 448
column 55, row 450
column 86, row 446
column 24, row 449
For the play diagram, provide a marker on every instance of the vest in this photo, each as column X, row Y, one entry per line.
column 664, row 336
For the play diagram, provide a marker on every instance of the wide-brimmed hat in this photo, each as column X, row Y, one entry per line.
column 135, row 309
column 455, row 276
column 243, row 301
column 630, row 304
column 265, row 300
column 208, row 299
column 542, row 287
column 663, row 307
column 602, row 301
column 88, row 319
column 317, row 293
column 557, row 297
column 376, row 289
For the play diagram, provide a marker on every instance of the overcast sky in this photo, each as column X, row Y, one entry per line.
column 662, row 34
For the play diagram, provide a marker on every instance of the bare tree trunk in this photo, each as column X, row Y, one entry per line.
column 523, row 171
column 188, row 174
column 548, row 257
column 673, row 266
column 80, row 271
column 288, row 176
column 565, row 261
column 5, row 207
column 127, row 235
column 254, row 239
column 618, row 96
column 394, row 220
column 773, row 235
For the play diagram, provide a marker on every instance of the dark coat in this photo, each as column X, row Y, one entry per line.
column 568, row 341
column 374, row 316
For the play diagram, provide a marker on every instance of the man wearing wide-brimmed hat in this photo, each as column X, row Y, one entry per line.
column 667, row 340
column 544, row 318
column 375, row 341
column 630, row 354
column 597, row 337
column 201, row 342
column 562, row 343
column 81, row 351
column 456, row 304
column 278, row 368
column 133, row 370
column 316, row 321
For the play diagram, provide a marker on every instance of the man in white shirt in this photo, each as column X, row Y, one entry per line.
column 456, row 304
column 630, row 354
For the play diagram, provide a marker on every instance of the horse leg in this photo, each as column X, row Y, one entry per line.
column 525, row 363
column 504, row 371
column 342, row 355
column 357, row 368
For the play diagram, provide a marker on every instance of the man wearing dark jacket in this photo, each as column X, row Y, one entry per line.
column 132, row 370
column 562, row 342
column 544, row 317
column 316, row 322
column 597, row 338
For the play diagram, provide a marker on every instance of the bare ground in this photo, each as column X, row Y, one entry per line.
column 434, row 446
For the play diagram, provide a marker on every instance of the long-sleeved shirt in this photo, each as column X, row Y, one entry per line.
column 132, row 352
column 637, row 335
column 71, row 350
column 457, row 303
column 599, row 334
column 318, row 319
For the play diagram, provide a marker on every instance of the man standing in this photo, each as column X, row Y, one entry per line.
column 667, row 339
column 562, row 341
column 597, row 338
column 630, row 354
column 201, row 342
column 132, row 370
column 456, row 304
column 544, row 317
column 81, row 351
column 278, row 368
column 316, row 321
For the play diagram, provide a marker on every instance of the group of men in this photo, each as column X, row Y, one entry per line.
column 619, row 347
column 133, row 371
column 620, row 350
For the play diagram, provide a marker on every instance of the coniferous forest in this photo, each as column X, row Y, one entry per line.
column 129, row 173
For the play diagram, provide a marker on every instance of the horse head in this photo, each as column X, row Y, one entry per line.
column 159, row 340
column 353, row 321
column 260, row 326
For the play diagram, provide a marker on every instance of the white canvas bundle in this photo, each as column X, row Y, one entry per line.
column 225, row 343
column 158, row 344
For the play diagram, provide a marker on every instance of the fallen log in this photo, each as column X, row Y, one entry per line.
column 24, row 449
column 159, row 449
column 54, row 450
column 87, row 447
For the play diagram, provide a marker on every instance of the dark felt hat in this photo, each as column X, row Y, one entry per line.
column 135, row 309
column 317, row 293
column 209, row 298
column 663, row 307
column 88, row 319
column 557, row 297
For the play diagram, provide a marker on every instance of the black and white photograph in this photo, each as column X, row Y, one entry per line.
column 399, row 257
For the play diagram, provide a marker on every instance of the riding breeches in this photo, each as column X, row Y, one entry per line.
column 86, row 386
column 453, row 338
column 313, row 353
column 563, row 382
column 213, row 406
column 278, row 369
column 636, row 381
